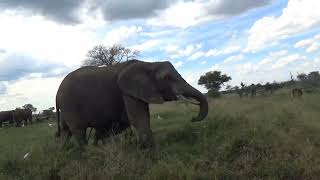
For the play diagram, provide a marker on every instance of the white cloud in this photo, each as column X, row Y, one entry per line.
column 31, row 91
column 311, row 44
column 297, row 17
column 277, row 54
column 147, row 45
column 303, row 43
column 284, row 61
column 121, row 35
column 265, row 61
column 235, row 58
column 184, row 14
column 181, row 14
column 204, row 62
column 178, row 64
column 45, row 40
column 192, row 78
column 175, row 52
column 215, row 67
column 197, row 55
column 277, row 60
column 314, row 47
column 214, row 52
column 272, row 57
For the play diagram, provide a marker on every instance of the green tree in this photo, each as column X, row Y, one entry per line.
column 302, row 77
column 314, row 75
column 30, row 106
column 213, row 81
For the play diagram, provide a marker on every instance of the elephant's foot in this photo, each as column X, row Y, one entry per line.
column 146, row 141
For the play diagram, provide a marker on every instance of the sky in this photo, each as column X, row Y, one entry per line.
column 253, row 41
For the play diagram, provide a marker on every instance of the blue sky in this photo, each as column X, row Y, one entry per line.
column 251, row 41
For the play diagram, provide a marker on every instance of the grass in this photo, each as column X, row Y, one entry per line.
column 251, row 138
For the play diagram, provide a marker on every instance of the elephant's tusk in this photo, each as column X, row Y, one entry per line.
column 189, row 100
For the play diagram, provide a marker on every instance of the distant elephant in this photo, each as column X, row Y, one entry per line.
column 22, row 115
column 97, row 97
column 296, row 92
column 268, row 88
column 253, row 90
column 240, row 92
column 6, row 116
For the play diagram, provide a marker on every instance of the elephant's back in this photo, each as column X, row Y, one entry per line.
column 4, row 115
column 87, row 88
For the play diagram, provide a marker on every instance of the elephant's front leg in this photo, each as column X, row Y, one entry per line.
column 139, row 117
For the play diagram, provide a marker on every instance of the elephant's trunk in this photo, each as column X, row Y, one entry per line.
column 190, row 92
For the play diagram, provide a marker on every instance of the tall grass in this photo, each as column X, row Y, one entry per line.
column 251, row 138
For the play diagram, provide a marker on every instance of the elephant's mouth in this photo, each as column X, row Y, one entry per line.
column 188, row 99
column 170, row 97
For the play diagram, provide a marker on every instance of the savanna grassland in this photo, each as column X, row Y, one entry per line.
column 251, row 138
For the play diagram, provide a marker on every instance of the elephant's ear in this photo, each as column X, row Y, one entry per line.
column 137, row 81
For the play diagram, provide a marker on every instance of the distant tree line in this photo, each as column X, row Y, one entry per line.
column 214, row 80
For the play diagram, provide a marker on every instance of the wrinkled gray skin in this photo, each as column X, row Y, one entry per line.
column 118, row 127
column 22, row 115
column 6, row 116
column 96, row 97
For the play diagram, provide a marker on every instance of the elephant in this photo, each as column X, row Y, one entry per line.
column 22, row 115
column 97, row 97
column 253, row 90
column 240, row 92
column 244, row 91
column 6, row 116
column 296, row 92
column 268, row 88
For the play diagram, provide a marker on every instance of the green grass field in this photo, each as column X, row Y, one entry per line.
column 261, row 138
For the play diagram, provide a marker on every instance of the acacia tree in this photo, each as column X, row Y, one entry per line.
column 102, row 55
column 213, row 81
column 314, row 76
column 30, row 106
column 302, row 77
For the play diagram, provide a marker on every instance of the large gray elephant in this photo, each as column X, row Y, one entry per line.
column 6, row 116
column 97, row 97
column 22, row 115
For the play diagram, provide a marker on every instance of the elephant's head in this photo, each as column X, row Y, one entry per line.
column 159, row 82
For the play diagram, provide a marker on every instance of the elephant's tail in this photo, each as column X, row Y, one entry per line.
column 58, row 133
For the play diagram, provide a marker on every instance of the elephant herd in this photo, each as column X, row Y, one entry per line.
column 246, row 91
column 266, row 90
column 16, row 116
column 111, row 99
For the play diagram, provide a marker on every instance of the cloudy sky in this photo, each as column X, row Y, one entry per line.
column 250, row 40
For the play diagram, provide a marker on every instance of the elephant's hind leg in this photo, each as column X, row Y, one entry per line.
column 65, row 133
column 80, row 135
column 99, row 135
column 26, row 122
